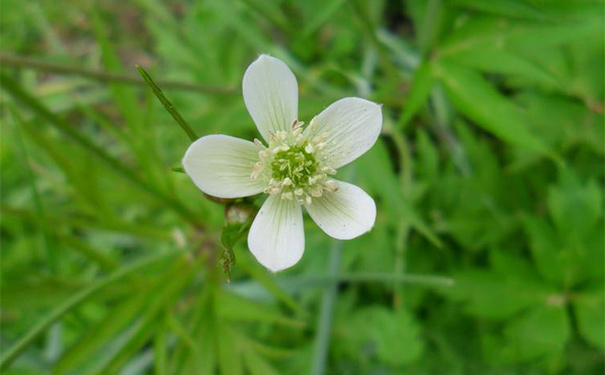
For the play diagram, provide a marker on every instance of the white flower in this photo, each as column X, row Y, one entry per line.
column 296, row 168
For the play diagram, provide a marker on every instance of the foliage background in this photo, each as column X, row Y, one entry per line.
column 487, row 254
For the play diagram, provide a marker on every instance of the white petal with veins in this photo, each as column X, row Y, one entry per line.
column 221, row 166
column 350, row 126
column 277, row 237
column 271, row 95
column 344, row 214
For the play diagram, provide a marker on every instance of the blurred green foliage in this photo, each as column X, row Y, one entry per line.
column 489, row 173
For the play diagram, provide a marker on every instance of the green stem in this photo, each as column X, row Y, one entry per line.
column 167, row 104
column 368, row 277
column 324, row 327
column 43, row 66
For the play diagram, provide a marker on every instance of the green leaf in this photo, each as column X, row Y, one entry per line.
column 511, row 8
column 266, row 279
column 546, row 249
column 476, row 98
column 499, row 294
column 575, row 207
column 63, row 126
column 392, row 338
column 169, row 288
column 541, row 331
column 230, row 351
column 96, row 339
column 419, row 92
column 257, row 364
column 16, row 349
column 233, row 307
column 396, row 336
column 590, row 312
column 376, row 171
column 124, row 96
column 508, row 62
column 488, row 33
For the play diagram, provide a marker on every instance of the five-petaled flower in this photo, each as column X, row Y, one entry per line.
column 295, row 169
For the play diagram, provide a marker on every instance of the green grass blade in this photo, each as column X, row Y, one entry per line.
column 474, row 96
column 48, row 241
column 29, row 338
column 39, row 109
column 419, row 92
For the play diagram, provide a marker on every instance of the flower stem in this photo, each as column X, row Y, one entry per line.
column 324, row 327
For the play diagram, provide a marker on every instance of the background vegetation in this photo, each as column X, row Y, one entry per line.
column 487, row 254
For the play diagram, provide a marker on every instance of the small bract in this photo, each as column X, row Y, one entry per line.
column 296, row 166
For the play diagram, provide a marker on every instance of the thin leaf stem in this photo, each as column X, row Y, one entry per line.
column 167, row 104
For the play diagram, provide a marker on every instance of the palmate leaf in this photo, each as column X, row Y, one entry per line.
column 535, row 322
column 539, row 333
column 569, row 251
column 589, row 307
column 393, row 337
column 563, row 122
column 498, row 294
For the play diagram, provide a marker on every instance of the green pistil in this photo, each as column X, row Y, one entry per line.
column 296, row 164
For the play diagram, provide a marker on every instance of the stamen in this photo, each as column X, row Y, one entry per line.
column 293, row 165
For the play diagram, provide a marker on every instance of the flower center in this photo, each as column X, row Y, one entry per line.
column 296, row 164
column 293, row 166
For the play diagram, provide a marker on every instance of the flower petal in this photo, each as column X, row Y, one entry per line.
column 347, row 213
column 221, row 166
column 271, row 95
column 277, row 238
column 352, row 126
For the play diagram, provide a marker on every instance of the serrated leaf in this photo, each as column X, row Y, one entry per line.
column 541, row 331
column 590, row 312
column 502, row 292
column 393, row 337
column 546, row 249
column 575, row 207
